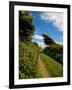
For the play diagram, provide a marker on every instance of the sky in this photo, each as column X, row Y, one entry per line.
column 50, row 23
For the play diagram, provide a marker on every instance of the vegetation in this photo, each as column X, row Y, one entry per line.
column 26, row 26
column 55, row 51
column 54, row 68
column 48, row 40
column 31, row 55
column 28, row 56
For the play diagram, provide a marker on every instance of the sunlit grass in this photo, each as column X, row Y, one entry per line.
column 55, row 68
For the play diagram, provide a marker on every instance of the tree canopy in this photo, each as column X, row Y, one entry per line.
column 55, row 51
column 47, row 39
column 26, row 26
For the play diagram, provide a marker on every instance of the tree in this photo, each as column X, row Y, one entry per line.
column 55, row 51
column 48, row 40
column 26, row 26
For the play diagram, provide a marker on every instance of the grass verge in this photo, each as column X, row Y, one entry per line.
column 55, row 68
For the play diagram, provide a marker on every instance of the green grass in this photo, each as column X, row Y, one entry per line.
column 28, row 68
column 27, row 61
column 53, row 67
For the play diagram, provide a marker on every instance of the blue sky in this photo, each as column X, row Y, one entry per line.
column 47, row 23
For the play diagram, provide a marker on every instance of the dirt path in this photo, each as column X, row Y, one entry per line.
column 42, row 69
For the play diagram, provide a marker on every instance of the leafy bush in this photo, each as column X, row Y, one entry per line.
column 26, row 68
column 28, row 54
column 55, row 51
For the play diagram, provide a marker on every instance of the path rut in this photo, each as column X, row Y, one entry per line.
column 42, row 69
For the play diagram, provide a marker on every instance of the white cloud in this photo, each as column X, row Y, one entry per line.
column 41, row 44
column 38, row 36
column 55, row 18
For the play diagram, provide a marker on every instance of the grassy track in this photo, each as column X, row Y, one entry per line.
column 35, row 64
column 42, row 68
column 55, row 68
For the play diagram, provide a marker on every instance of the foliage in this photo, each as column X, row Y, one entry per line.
column 55, row 51
column 29, row 51
column 35, row 44
column 26, row 26
column 47, row 39
column 53, row 67
column 26, row 68
column 27, row 61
